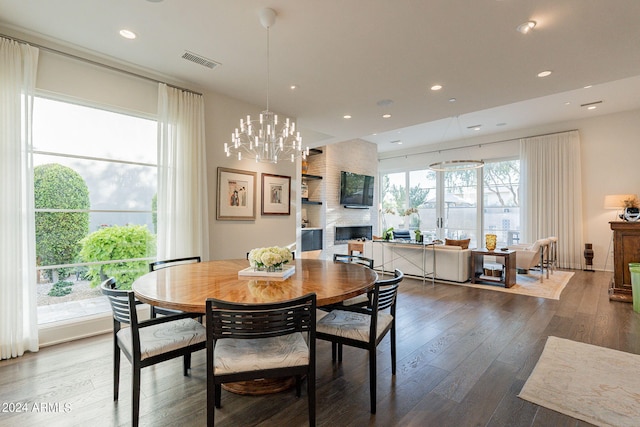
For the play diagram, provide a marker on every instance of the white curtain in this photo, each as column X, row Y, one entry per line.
column 18, row 305
column 183, row 227
column 551, row 193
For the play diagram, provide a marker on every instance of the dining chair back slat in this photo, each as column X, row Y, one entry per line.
column 353, row 259
column 246, row 324
column 387, row 292
column 157, row 265
column 120, row 301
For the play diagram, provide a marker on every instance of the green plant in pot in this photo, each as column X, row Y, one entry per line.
column 418, row 234
column 387, row 234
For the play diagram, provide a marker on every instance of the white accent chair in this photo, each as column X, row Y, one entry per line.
column 529, row 256
column 552, row 258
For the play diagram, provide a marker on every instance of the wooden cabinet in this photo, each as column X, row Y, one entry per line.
column 626, row 249
column 311, row 239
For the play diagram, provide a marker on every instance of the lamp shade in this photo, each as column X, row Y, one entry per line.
column 616, row 201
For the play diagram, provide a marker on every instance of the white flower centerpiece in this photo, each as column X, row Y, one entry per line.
column 269, row 259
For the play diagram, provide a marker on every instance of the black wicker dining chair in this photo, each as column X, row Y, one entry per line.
column 282, row 334
column 360, row 300
column 365, row 327
column 147, row 342
column 157, row 265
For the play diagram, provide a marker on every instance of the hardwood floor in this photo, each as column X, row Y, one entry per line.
column 463, row 356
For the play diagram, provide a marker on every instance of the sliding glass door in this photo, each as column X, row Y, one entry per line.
column 459, row 204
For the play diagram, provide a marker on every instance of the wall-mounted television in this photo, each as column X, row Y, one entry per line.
column 356, row 190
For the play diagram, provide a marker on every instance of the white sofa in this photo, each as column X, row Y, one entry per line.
column 452, row 262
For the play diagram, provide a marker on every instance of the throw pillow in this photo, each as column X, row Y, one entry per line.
column 464, row 244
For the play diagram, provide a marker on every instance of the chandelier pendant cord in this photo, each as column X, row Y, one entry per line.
column 268, row 68
column 266, row 139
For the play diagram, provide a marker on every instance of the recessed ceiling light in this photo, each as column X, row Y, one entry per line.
column 346, row 116
column 588, row 86
column 128, row 34
column 544, row 73
column 386, row 116
column 567, row 103
column 293, row 87
column 452, row 100
column 591, row 107
column 525, row 27
column 474, row 127
column 436, row 87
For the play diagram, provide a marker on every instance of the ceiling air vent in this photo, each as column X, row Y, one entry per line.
column 198, row 59
column 591, row 103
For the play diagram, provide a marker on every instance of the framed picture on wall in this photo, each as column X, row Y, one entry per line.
column 236, row 195
column 276, row 193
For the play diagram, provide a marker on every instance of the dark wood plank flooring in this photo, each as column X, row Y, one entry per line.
column 463, row 356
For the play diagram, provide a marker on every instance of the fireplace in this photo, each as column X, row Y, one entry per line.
column 345, row 233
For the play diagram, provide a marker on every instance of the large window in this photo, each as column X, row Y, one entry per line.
column 446, row 204
column 502, row 201
column 95, row 183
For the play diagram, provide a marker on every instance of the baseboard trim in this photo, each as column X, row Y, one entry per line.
column 75, row 329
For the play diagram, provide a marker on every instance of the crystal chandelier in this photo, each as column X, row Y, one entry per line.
column 266, row 139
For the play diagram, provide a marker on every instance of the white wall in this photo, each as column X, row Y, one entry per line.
column 610, row 157
column 233, row 239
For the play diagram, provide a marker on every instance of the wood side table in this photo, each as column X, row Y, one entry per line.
column 508, row 277
column 355, row 245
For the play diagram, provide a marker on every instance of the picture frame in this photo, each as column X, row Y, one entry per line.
column 236, row 195
column 276, row 194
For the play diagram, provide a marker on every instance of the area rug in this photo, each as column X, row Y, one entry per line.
column 529, row 284
column 594, row 384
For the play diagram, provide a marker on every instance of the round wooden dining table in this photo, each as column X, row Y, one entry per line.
column 186, row 287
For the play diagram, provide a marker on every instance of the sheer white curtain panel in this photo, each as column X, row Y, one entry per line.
column 551, row 195
column 18, row 304
column 182, row 208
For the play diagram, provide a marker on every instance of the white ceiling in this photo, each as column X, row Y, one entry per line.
column 348, row 55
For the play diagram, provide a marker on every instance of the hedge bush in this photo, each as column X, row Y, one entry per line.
column 114, row 243
column 58, row 233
